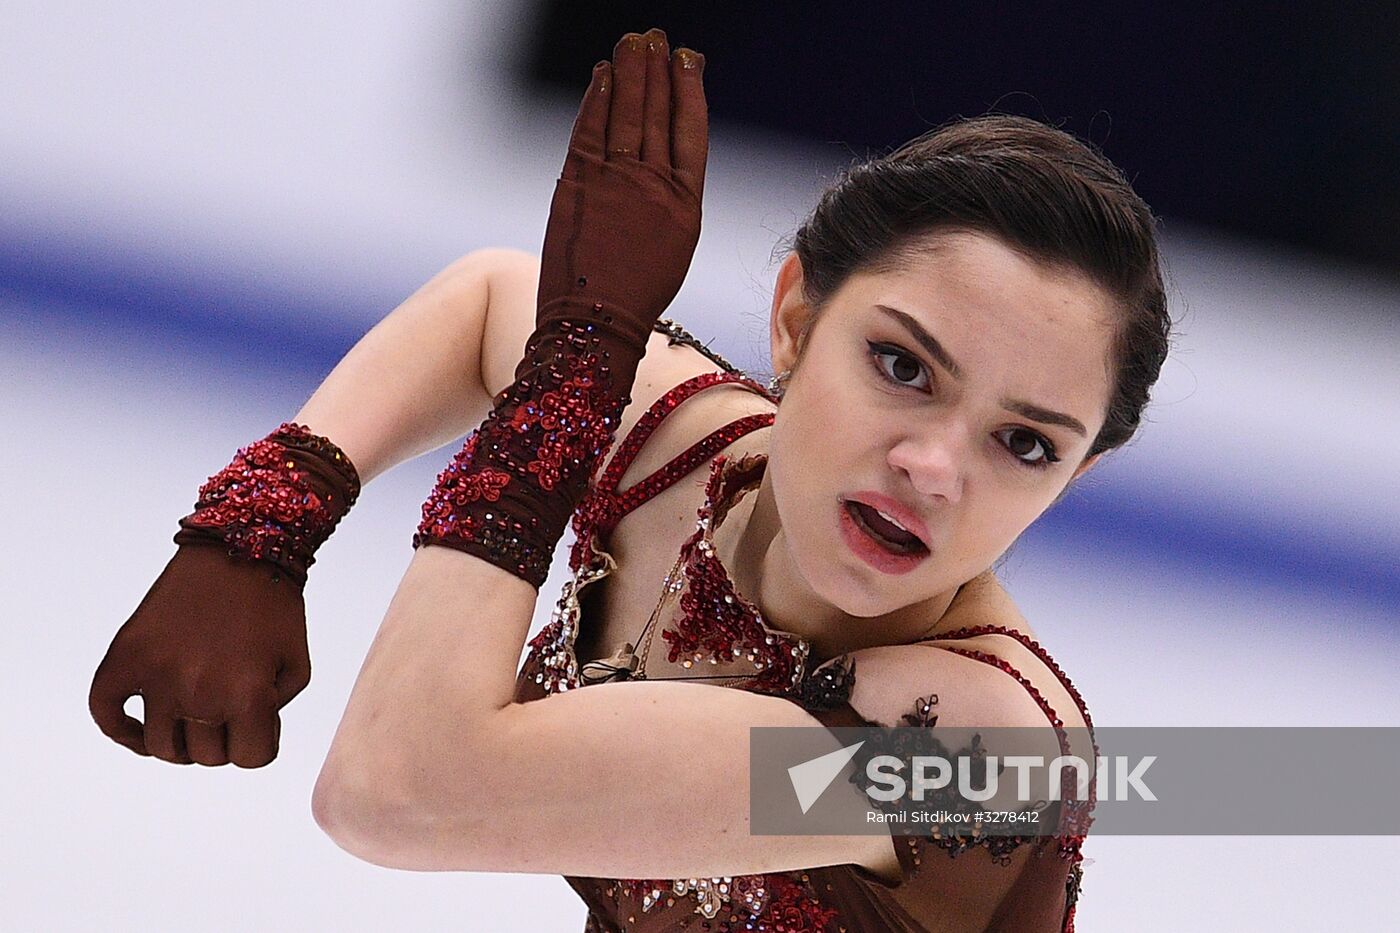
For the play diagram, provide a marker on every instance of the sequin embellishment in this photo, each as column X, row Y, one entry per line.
column 278, row 500
column 716, row 623
column 549, row 430
column 773, row 903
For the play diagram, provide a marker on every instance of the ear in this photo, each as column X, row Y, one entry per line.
column 790, row 315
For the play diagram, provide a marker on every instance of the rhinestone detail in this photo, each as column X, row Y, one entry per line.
column 535, row 454
column 277, row 501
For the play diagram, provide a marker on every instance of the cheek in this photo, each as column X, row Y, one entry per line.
column 796, row 482
column 804, row 496
column 993, row 518
column 809, row 451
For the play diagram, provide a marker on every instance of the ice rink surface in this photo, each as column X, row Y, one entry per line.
column 167, row 297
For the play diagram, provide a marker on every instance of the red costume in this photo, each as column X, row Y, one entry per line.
column 701, row 620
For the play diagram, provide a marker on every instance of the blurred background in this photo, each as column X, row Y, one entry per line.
column 202, row 208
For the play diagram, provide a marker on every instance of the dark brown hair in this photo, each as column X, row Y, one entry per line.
column 1040, row 191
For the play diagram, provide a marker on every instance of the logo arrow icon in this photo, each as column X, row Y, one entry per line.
column 811, row 778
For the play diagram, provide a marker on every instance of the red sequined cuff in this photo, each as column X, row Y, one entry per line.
column 507, row 496
column 278, row 501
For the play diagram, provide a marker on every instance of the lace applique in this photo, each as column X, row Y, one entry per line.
column 829, row 686
column 904, row 744
column 574, row 420
column 553, row 647
column 1072, row 885
column 547, row 433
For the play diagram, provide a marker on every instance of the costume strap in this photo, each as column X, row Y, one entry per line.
column 652, row 418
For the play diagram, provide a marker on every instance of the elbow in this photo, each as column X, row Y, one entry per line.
column 381, row 821
column 330, row 811
column 352, row 820
column 367, row 821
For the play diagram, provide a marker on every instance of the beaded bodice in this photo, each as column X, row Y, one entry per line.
column 703, row 629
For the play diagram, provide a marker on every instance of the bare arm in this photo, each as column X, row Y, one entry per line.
column 218, row 646
column 415, row 381
column 434, row 768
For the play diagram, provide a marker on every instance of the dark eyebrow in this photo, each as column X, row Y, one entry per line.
column 925, row 339
column 1046, row 416
column 935, row 350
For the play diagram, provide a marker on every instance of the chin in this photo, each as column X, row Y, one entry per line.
column 849, row 593
column 855, row 608
column 827, row 574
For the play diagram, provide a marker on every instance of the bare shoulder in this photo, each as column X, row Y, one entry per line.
column 897, row 685
column 986, row 679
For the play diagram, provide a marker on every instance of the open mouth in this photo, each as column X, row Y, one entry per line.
column 888, row 535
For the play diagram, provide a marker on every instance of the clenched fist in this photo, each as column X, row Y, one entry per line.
column 218, row 645
column 214, row 650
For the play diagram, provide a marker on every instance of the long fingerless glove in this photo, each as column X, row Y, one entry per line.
column 276, row 502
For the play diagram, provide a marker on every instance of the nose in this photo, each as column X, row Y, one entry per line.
column 933, row 461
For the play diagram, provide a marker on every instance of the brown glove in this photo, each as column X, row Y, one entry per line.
column 622, row 228
column 625, row 216
column 218, row 644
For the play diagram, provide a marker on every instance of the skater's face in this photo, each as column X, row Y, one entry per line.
column 964, row 387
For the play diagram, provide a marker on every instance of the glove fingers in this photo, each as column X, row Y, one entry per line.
column 164, row 733
column 627, row 98
column 205, row 743
column 690, row 131
column 105, row 701
column 292, row 679
column 656, row 128
column 590, row 127
column 252, row 738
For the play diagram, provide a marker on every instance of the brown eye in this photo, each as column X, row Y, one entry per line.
column 1023, row 443
column 1028, row 447
column 902, row 370
column 905, row 369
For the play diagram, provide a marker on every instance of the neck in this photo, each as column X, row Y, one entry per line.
column 753, row 544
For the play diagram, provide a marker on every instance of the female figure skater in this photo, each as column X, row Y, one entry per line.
column 963, row 328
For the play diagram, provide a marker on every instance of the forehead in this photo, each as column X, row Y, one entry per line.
column 1005, row 318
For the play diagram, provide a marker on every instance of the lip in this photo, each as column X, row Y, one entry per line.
column 871, row 552
column 897, row 510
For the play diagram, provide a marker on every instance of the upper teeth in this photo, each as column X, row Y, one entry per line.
column 893, row 521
